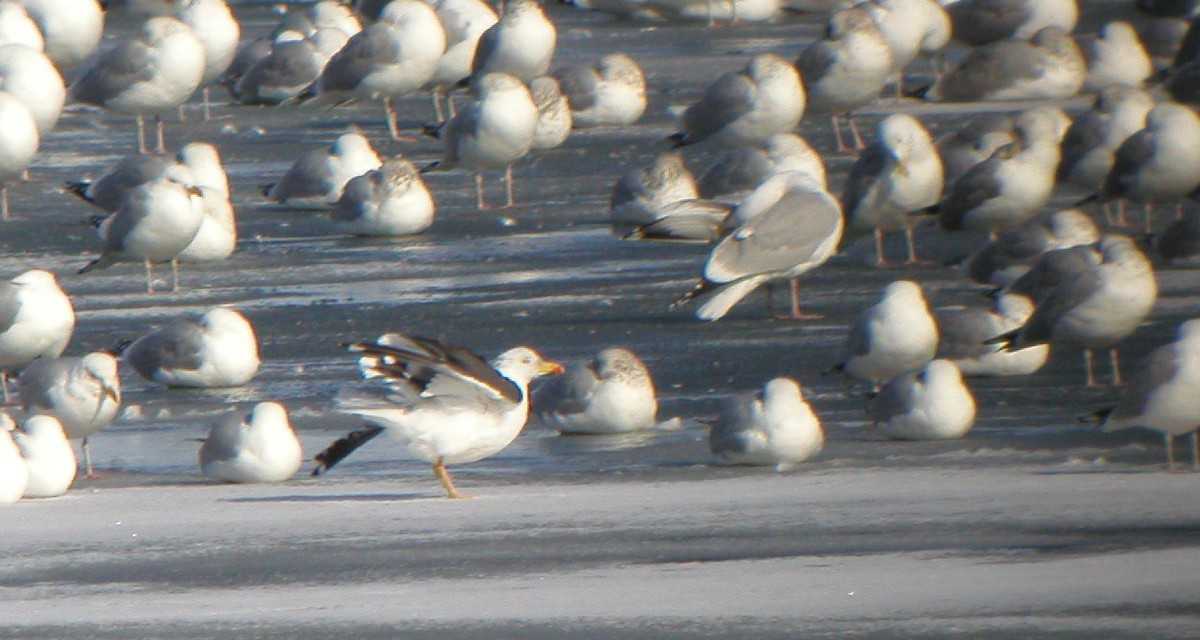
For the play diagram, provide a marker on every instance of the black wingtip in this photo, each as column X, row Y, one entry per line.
column 433, row 129
column 838, row 368
column 678, row 140
column 79, row 189
column 344, row 446
column 1095, row 197
column 432, row 166
column 701, row 288
column 94, row 264
column 1006, row 340
column 1098, row 417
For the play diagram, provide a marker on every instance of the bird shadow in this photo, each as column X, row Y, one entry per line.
column 355, row 497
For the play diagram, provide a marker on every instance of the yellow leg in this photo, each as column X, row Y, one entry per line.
column 443, row 476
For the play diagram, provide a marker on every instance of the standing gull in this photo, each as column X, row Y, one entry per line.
column 1116, row 57
column 32, row 78
column 258, row 447
column 745, row 107
column 895, row 335
column 317, row 177
column 1048, row 67
column 1090, row 146
column 198, row 163
column 795, row 227
column 217, row 349
column 14, row 475
column 963, row 331
column 520, row 44
column 774, row 426
column 72, row 29
column 464, row 22
column 980, row 22
column 48, row 457
column 612, row 393
column 611, row 93
column 19, row 142
column 930, row 404
column 389, row 201
column 911, row 28
column 741, row 170
column 445, row 404
column 218, row 31
column 83, row 394
column 36, row 321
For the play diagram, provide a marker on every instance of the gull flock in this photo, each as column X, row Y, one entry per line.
column 774, row 208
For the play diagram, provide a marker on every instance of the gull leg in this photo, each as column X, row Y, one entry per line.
column 909, row 233
column 393, row 121
column 174, row 275
column 450, row 105
column 206, row 98
column 141, row 127
column 880, row 259
column 89, row 471
column 1087, row 362
column 508, row 186
column 769, row 289
column 1149, row 221
column 436, row 94
column 4, row 215
column 858, row 141
column 479, row 192
column 1115, row 361
column 1195, row 438
column 1169, row 440
column 149, row 277
column 837, row 134
column 4, row 385
column 162, row 141
column 797, row 314
column 443, row 476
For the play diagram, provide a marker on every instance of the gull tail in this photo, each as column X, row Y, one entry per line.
column 726, row 296
column 433, row 129
column 678, row 140
column 1099, row 417
column 102, row 262
column 1006, row 340
column 344, row 446
column 80, row 190
column 436, row 165
column 1095, row 197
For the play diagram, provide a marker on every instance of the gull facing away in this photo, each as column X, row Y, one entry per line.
column 318, row 176
column 31, row 77
column 787, row 227
column 640, row 194
column 1164, row 394
column 745, row 107
column 610, row 93
column 19, row 142
column 218, row 31
column 741, row 170
column 48, row 456
column 1090, row 146
column 71, row 29
column 612, row 393
column 445, row 404
column 964, row 331
column 83, row 394
column 895, row 335
column 292, row 65
column 554, row 113
column 1050, row 66
column 256, row 447
column 774, row 426
column 1117, row 58
column 217, row 349
column 933, row 403
column 911, row 28
column 37, row 320
column 389, row 201
column 14, row 475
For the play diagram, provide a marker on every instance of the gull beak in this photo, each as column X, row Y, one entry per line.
column 547, row 368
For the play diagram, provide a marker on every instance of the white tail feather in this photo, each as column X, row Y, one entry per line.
column 728, row 295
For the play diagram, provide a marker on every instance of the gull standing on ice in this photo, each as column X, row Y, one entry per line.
column 389, row 201
column 218, row 31
column 899, row 174
column 611, row 93
column 741, row 170
column 48, row 457
column 1012, row 253
column 613, row 393
column 317, row 177
column 745, row 107
column 1116, row 57
column 258, row 447
column 14, row 475
column 980, row 22
column 36, row 321
column 217, row 349
column 31, row 77
column 83, row 394
column 1050, row 66
column 640, row 194
column 19, row 142
column 464, row 22
column 445, row 404
column 787, row 227
column 520, row 44
column 963, row 331
column 1164, row 394
column 292, row 65
column 896, row 334
column 933, row 403
column 774, row 426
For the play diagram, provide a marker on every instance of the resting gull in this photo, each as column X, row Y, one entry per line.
column 19, row 142
column 464, row 22
column 520, row 44
column 640, row 194
column 83, row 394
column 973, row 143
column 31, row 77
column 933, row 403
column 554, row 113
column 1013, row 252
column 1091, row 143
column 787, row 227
column 218, row 31
column 292, row 65
column 741, row 170
column 71, row 29
column 612, row 393
column 216, row 349
column 896, row 334
column 14, row 475
column 962, row 332
column 36, row 321
column 980, row 22
column 1116, row 57
column 911, row 28
column 610, row 93
column 1050, row 66
column 48, row 456
column 774, row 426
column 17, row 27
column 318, row 176
column 901, row 173
column 745, row 107
column 445, row 404
column 197, row 163
column 1051, row 269
column 256, row 447
column 389, row 201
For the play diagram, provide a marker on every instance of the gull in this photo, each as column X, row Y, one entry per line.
column 83, row 394
column 901, row 173
column 218, row 31
column 464, row 22
column 1010, row 256
column 149, row 74
column 933, row 403
column 554, row 113
column 14, row 475
column 36, row 321
column 19, row 142
column 612, row 393
column 896, row 334
column 48, row 457
column 911, row 28
column 1116, row 57
column 389, row 59
column 17, row 27
column 71, row 29
column 980, row 22
column 217, row 349
column 685, row 220
column 745, row 107
column 1096, row 308
column 731, row 11
column 1010, row 186
column 445, row 404
column 258, row 447
column 962, row 332
column 787, row 227
column 520, row 44
column 1049, row 66
column 1051, row 269
column 197, row 163
column 774, row 426
column 493, row 131
column 1090, row 146
column 291, row 66
column 317, row 177
column 216, row 238
column 970, row 145
column 610, row 93
column 639, row 194
column 1164, row 394
column 326, row 14
column 846, row 69
column 742, row 169
column 389, row 201
column 30, row 76
column 155, row 223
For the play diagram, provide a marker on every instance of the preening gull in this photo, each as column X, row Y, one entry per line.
column 36, row 321
column 933, row 403
column 71, row 29
column 612, row 393
column 554, row 113
column 1097, row 308
column 1050, row 66
column 520, row 44
column 464, row 22
column 962, row 332
column 217, row 349
column 742, row 169
column 14, row 475
column 1164, row 393
column 389, row 201
column 317, row 177
column 774, row 426
column 83, row 394
column 979, row 22
column 491, row 132
column 745, row 107
column 900, row 173
column 788, row 226
column 1013, row 252
column 895, row 335
column 640, row 194
column 610, row 93
column 846, row 69
column 1116, row 57
column 256, row 447
column 48, row 456
column 445, row 404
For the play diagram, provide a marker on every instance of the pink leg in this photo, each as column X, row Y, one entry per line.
column 909, row 232
column 880, row 259
column 1087, row 362
column 508, row 186
column 479, row 192
column 1116, row 368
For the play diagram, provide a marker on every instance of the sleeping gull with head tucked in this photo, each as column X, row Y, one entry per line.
column 741, row 170
column 896, row 334
column 48, row 456
column 774, row 426
column 1050, row 66
column 612, row 393
column 963, row 331
column 256, row 447
column 216, row 349
column 389, row 201
column 554, row 113
column 37, row 320
column 640, row 194
column 745, row 107
column 980, row 22
column 610, row 93
column 933, row 403
column 71, row 29
column 1013, row 252
column 83, row 394
column 1116, row 57
column 317, row 177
